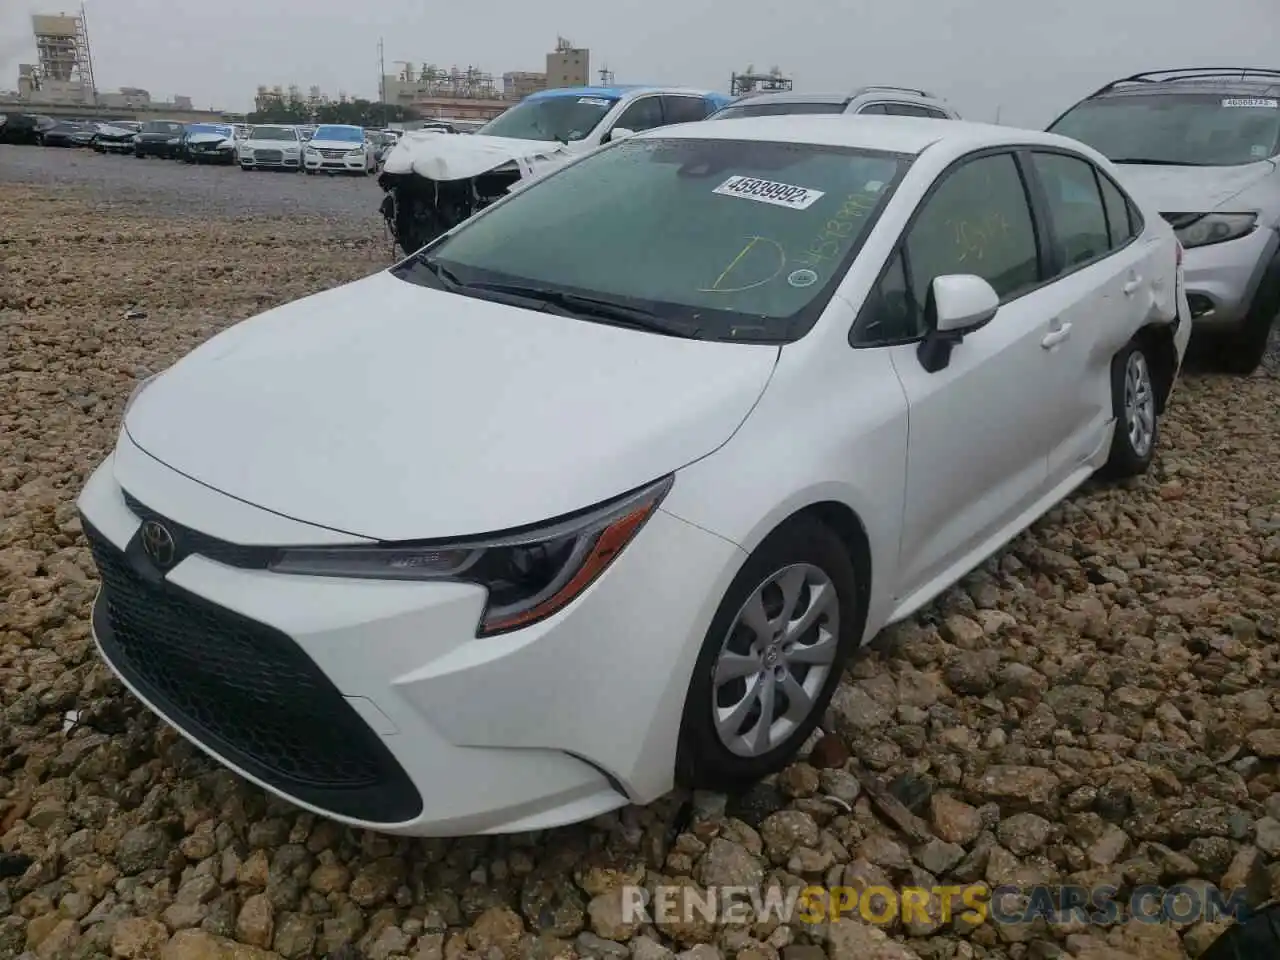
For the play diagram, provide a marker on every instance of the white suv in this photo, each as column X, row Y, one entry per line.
column 865, row 101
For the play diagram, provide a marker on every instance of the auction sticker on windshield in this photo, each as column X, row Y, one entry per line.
column 1264, row 102
column 767, row 191
column 594, row 101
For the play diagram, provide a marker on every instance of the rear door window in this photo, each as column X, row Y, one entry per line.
column 644, row 114
column 1122, row 226
column 678, row 109
column 1075, row 206
column 906, row 110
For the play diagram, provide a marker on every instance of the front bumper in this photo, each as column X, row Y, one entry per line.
column 155, row 149
column 373, row 702
column 270, row 160
column 211, row 156
column 343, row 164
column 116, row 146
column 1222, row 279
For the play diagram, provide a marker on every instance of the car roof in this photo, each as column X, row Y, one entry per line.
column 1244, row 80
column 616, row 92
column 790, row 96
column 905, row 135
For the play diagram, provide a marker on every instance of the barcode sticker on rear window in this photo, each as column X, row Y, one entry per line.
column 767, row 191
column 1265, row 102
column 594, row 101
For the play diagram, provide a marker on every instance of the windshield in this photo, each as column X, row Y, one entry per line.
column 273, row 133
column 340, row 134
column 217, row 128
column 161, row 126
column 1196, row 129
column 776, row 109
column 734, row 240
column 550, row 118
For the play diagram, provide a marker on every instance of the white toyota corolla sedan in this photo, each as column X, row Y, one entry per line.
column 596, row 493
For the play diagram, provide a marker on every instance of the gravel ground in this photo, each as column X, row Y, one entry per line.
column 1100, row 704
column 163, row 187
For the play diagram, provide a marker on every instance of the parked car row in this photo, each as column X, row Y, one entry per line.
column 322, row 148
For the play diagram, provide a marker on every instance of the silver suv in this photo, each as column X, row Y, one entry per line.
column 881, row 100
column 1202, row 145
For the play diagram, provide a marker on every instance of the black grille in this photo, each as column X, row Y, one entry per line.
column 188, row 541
column 268, row 156
column 243, row 689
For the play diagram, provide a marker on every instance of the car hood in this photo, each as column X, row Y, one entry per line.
column 272, row 144
column 115, row 133
column 1190, row 189
column 334, row 144
column 159, row 136
column 450, row 156
column 209, row 138
column 393, row 411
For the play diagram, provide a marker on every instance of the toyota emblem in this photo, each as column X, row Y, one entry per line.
column 157, row 543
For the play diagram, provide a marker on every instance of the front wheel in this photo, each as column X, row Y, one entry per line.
column 771, row 659
column 1242, row 352
column 1133, row 401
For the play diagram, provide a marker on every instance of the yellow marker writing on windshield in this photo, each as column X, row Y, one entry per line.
column 752, row 241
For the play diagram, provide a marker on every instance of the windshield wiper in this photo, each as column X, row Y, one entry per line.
column 442, row 273
column 595, row 307
column 1150, row 162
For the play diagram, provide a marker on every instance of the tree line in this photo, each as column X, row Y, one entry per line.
column 361, row 113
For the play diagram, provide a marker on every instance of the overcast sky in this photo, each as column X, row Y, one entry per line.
column 1029, row 58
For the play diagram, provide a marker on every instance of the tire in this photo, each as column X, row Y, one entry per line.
column 244, row 168
column 1242, row 352
column 801, row 548
column 1134, row 403
column 1254, row 938
column 308, row 171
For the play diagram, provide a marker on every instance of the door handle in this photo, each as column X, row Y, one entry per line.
column 1056, row 336
column 1131, row 287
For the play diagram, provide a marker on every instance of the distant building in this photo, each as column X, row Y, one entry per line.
column 568, row 66
column 62, row 75
column 516, row 85
column 278, row 96
column 472, row 94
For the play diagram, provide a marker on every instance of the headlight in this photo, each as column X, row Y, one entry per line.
column 312, row 152
column 359, row 152
column 529, row 575
column 136, row 392
column 173, row 142
column 137, row 138
column 1212, row 227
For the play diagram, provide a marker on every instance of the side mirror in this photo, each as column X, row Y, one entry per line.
column 618, row 133
column 957, row 305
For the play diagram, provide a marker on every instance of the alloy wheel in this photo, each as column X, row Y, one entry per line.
column 1139, row 404
column 775, row 659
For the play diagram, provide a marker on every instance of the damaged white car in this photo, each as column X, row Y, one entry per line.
column 434, row 181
